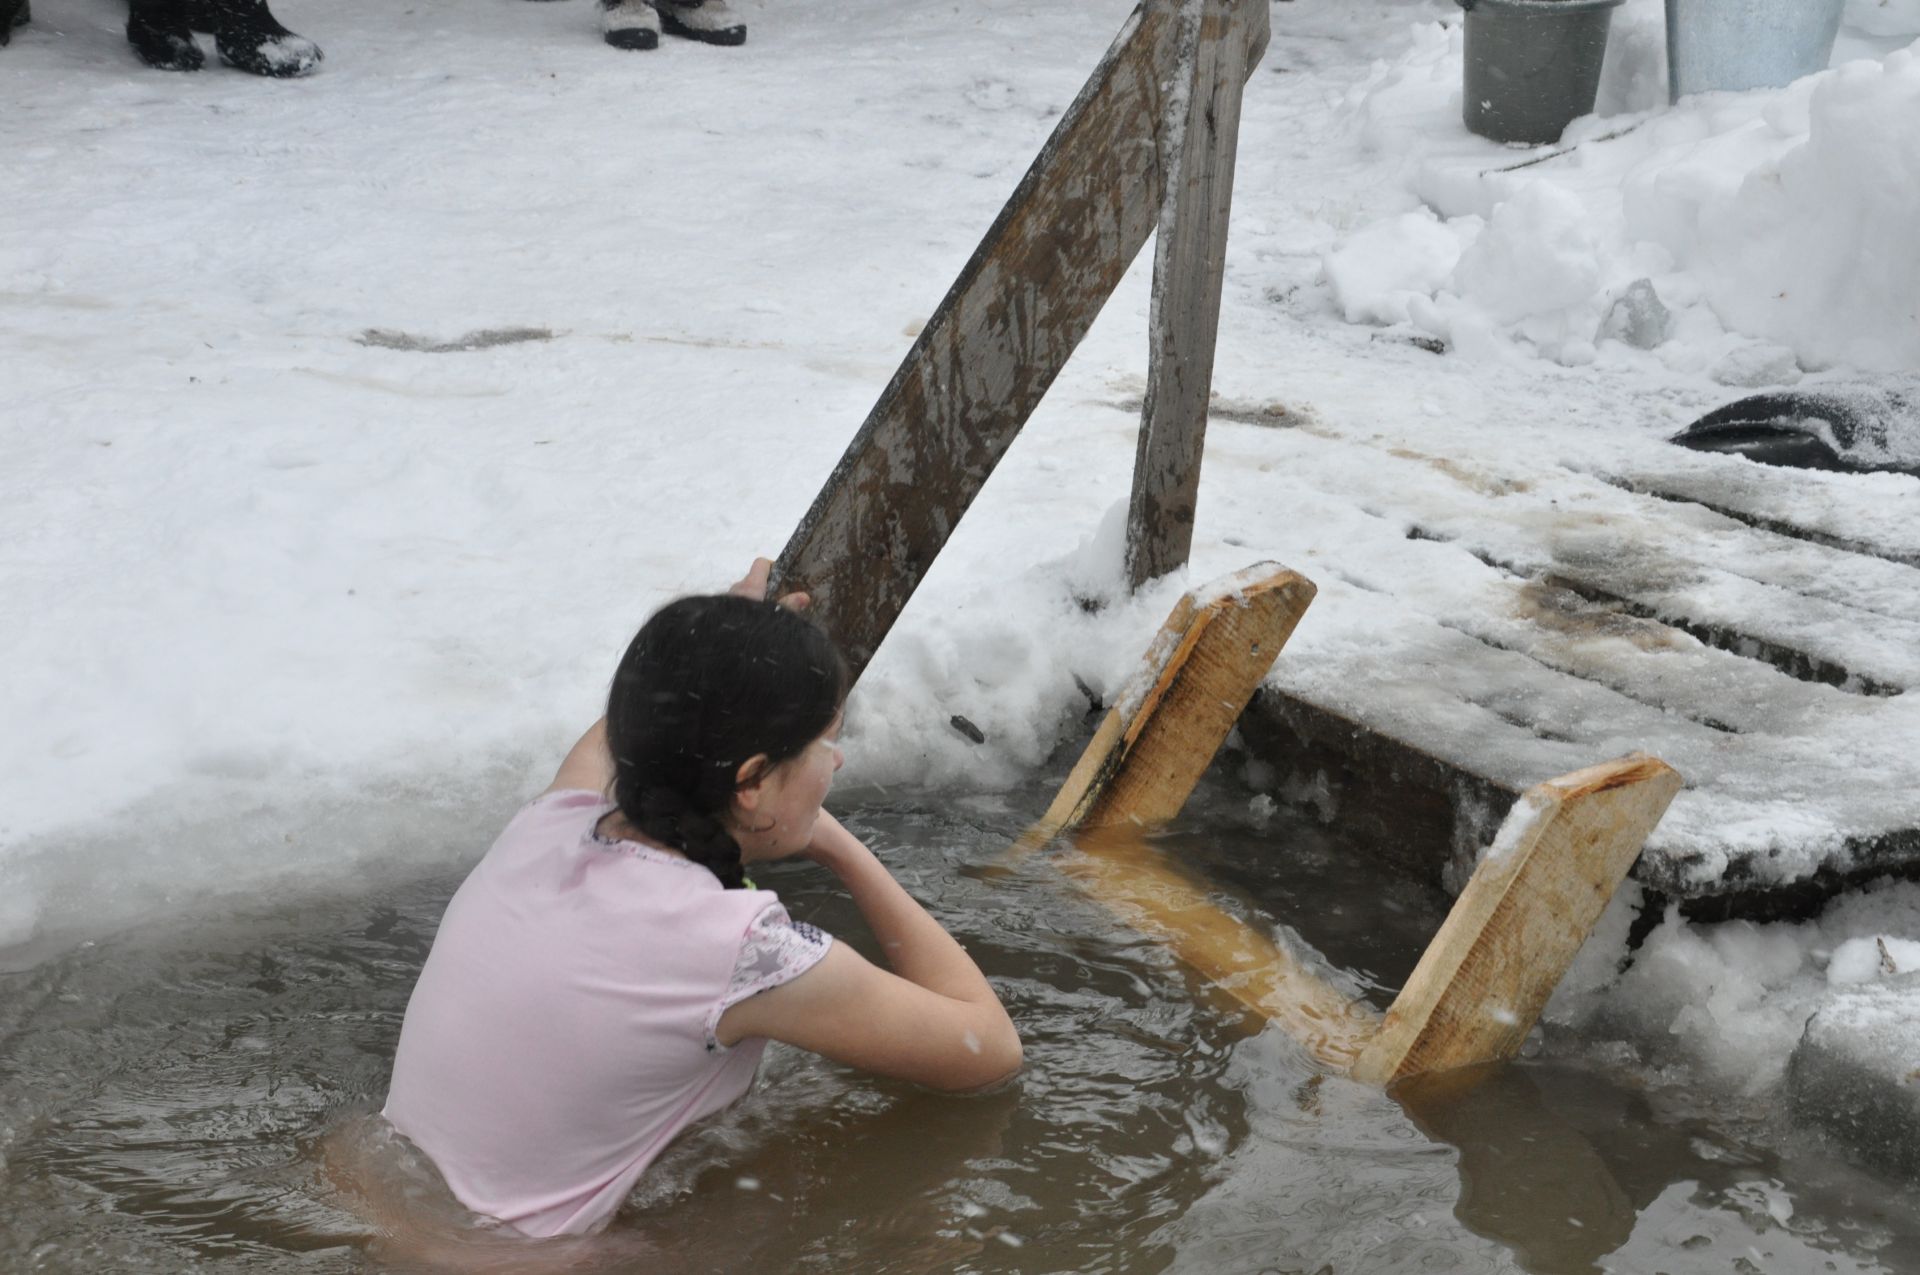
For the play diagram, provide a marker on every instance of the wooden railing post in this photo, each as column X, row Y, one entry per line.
column 1189, row 265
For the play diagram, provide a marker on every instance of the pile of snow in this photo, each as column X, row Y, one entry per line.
column 1730, row 1001
column 1899, row 18
column 1747, row 235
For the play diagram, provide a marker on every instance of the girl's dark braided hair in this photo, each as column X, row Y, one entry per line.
column 707, row 684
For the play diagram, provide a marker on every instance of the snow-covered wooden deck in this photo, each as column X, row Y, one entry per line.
column 1753, row 626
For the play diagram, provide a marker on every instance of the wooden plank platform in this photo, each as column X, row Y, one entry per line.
column 1498, row 620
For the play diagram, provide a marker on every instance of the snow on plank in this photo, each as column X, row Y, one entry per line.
column 1877, row 514
column 1815, row 610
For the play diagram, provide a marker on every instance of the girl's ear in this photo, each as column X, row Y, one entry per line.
column 749, row 782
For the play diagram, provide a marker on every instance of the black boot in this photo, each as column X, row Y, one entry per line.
column 158, row 32
column 250, row 39
column 708, row 21
column 13, row 13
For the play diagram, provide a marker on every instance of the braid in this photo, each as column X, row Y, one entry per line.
column 665, row 816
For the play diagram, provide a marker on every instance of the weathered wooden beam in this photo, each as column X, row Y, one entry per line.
column 1188, row 267
column 1007, row 326
column 1481, row 984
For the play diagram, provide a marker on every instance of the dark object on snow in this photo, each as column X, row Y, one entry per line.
column 245, row 33
column 250, row 39
column 13, row 13
column 1852, row 426
column 1532, row 66
column 159, row 32
column 967, row 728
column 479, row 339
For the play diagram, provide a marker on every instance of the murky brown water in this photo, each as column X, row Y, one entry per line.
column 198, row 1097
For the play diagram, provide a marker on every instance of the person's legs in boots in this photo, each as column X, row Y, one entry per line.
column 159, row 32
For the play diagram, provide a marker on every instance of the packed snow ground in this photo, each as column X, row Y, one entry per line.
column 292, row 603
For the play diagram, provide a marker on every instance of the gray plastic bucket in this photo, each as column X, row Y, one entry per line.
column 1533, row 66
column 1747, row 44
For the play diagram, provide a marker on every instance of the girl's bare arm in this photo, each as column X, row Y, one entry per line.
column 934, row 1019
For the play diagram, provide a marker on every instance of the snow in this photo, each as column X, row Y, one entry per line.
column 1752, row 216
column 355, row 421
column 1864, row 959
column 1521, row 825
column 1730, row 1001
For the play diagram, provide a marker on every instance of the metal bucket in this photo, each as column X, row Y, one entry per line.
column 1747, row 44
column 1533, row 66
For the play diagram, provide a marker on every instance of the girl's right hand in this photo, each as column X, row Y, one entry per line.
column 934, row 1019
column 754, row 585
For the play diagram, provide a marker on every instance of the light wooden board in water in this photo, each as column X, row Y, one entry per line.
column 1199, row 672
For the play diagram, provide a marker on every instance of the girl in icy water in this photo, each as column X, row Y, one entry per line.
column 608, row 974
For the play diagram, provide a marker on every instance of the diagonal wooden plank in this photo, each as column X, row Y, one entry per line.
column 1014, row 315
column 1482, row 982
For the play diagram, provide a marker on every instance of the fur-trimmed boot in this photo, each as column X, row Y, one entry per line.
column 630, row 24
column 13, row 13
column 162, row 36
column 708, row 21
column 250, row 39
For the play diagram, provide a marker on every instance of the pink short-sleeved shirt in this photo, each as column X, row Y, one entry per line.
column 561, row 1032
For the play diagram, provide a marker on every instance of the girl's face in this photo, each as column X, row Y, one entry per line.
column 774, row 817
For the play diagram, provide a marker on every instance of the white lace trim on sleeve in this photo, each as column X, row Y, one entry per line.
column 776, row 950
